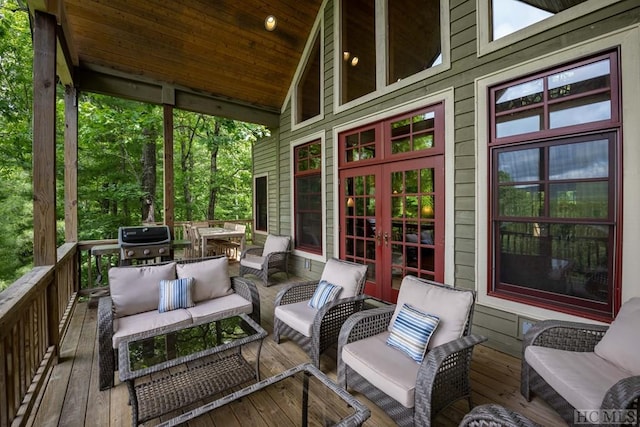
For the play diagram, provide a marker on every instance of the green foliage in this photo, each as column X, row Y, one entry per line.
column 212, row 158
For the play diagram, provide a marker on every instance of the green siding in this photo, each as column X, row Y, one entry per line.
column 503, row 329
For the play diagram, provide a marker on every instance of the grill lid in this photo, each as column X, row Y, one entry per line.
column 146, row 235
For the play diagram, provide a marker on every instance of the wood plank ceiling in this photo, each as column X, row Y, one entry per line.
column 215, row 47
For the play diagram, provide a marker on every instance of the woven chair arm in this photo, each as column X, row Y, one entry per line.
column 105, row 318
column 443, row 374
column 253, row 250
column 562, row 335
column 275, row 258
column 625, row 394
column 295, row 293
column 330, row 318
column 365, row 324
column 248, row 290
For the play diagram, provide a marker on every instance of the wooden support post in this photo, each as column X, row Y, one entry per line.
column 44, row 159
column 44, row 139
column 169, row 193
column 70, row 164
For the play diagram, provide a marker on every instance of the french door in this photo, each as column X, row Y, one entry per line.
column 392, row 219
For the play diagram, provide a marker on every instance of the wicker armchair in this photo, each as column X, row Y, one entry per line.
column 583, row 366
column 316, row 330
column 492, row 415
column 411, row 393
column 270, row 259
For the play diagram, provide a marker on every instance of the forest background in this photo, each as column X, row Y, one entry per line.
column 119, row 158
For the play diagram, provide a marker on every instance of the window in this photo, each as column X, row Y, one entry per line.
column 380, row 46
column 554, row 217
column 509, row 16
column 308, row 88
column 260, row 209
column 501, row 23
column 414, row 44
column 308, row 197
column 358, row 48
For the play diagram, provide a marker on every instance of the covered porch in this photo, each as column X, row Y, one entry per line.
column 71, row 395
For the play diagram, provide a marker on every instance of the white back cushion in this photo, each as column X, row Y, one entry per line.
column 275, row 244
column 451, row 306
column 137, row 289
column 346, row 275
column 211, row 278
column 620, row 345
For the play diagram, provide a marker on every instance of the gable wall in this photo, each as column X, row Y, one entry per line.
column 502, row 327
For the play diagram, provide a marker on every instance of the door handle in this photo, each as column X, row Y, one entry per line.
column 379, row 238
column 386, row 238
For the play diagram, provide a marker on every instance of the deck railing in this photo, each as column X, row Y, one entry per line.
column 34, row 315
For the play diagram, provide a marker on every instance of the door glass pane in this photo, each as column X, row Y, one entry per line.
column 359, row 207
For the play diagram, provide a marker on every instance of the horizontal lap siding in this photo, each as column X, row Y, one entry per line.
column 501, row 327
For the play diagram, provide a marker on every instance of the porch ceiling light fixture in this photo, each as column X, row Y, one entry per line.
column 270, row 23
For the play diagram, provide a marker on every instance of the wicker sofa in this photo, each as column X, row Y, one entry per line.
column 135, row 301
column 594, row 369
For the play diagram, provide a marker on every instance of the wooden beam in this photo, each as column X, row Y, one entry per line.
column 169, row 193
column 44, row 140
column 70, row 164
column 113, row 83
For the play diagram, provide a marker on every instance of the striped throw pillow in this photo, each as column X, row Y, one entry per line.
column 411, row 331
column 324, row 293
column 175, row 294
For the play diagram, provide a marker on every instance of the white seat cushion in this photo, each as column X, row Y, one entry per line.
column 582, row 378
column 252, row 261
column 211, row 278
column 298, row 316
column 143, row 322
column 388, row 369
column 219, row 308
column 349, row 276
column 137, row 289
column 620, row 344
column 275, row 244
column 451, row 306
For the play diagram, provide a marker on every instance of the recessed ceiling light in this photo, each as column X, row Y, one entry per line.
column 270, row 23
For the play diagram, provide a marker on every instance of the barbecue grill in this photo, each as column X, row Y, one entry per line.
column 144, row 243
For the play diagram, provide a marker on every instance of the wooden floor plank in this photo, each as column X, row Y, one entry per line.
column 495, row 378
column 55, row 393
column 75, row 402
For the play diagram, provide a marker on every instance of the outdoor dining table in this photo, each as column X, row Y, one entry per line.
column 211, row 233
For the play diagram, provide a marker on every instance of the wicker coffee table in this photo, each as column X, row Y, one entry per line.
column 300, row 396
column 183, row 365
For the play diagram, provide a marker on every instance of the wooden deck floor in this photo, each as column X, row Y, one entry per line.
column 72, row 397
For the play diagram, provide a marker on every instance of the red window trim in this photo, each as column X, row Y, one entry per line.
column 517, row 294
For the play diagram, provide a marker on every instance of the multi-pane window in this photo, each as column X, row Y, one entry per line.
column 308, row 197
column 308, row 87
column 260, row 194
column 554, row 158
